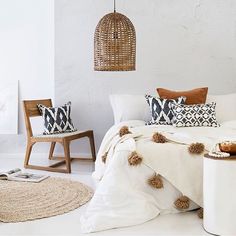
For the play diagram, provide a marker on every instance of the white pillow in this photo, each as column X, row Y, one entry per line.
column 135, row 107
column 229, row 124
column 225, row 106
column 129, row 107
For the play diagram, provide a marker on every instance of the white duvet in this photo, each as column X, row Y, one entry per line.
column 123, row 197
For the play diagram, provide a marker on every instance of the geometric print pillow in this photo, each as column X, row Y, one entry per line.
column 56, row 119
column 195, row 115
column 161, row 109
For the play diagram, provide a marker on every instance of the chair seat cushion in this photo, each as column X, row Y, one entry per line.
column 59, row 135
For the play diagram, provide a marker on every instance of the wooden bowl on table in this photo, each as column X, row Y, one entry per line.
column 228, row 146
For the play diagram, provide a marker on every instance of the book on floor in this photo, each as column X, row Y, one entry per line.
column 18, row 175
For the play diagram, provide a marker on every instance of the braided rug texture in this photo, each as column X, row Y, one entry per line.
column 23, row 201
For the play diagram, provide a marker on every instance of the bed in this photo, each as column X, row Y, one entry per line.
column 125, row 194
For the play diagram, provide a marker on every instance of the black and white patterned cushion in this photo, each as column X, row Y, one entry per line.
column 195, row 115
column 57, row 119
column 161, row 109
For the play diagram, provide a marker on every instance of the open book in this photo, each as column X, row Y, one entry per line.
column 18, row 175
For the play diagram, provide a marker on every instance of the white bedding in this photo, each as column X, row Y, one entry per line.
column 123, row 197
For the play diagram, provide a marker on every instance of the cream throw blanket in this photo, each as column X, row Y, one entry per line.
column 171, row 160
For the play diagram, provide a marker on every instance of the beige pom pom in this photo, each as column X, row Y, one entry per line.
column 182, row 203
column 155, row 181
column 134, row 159
column 200, row 213
column 104, row 157
column 159, row 138
column 196, row 148
column 124, row 130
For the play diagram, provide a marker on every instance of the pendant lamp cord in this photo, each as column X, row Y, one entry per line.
column 114, row 5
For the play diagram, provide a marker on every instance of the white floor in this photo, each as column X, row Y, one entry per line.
column 69, row 224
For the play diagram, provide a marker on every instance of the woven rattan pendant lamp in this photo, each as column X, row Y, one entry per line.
column 114, row 43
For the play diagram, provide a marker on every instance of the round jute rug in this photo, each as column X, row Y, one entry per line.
column 22, row 201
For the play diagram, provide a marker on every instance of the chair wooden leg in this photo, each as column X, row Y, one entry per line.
column 92, row 146
column 27, row 153
column 52, row 147
column 66, row 146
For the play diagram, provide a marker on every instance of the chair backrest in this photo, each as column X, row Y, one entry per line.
column 31, row 110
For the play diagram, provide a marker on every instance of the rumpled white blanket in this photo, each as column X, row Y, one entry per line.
column 123, row 197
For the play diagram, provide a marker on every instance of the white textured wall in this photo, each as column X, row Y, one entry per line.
column 26, row 55
column 180, row 45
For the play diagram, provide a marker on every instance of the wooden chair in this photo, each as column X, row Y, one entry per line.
column 31, row 110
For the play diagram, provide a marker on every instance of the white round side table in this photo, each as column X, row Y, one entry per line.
column 219, row 195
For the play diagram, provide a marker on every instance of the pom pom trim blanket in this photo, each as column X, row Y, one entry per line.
column 124, row 196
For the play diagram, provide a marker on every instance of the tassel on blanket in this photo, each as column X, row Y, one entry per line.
column 104, row 157
column 155, row 181
column 196, row 148
column 134, row 159
column 124, row 130
column 182, row 203
column 200, row 213
column 159, row 138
